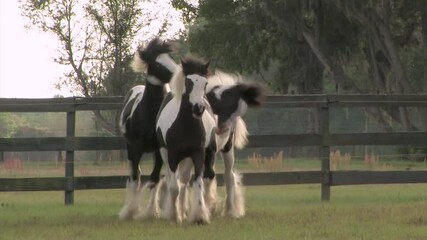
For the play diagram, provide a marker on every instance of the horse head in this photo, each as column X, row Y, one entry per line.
column 230, row 99
column 195, row 74
column 155, row 60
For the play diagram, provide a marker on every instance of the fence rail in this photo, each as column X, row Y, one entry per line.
column 323, row 139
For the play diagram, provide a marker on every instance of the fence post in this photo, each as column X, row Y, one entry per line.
column 325, row 151
column 69, row 160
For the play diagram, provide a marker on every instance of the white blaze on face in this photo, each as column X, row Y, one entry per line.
column 198, row 92
column 165, row 60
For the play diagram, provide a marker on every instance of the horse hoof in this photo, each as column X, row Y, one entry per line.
column 201, row 222
column 125, row 214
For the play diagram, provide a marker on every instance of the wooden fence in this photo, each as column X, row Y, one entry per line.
column 323, row 139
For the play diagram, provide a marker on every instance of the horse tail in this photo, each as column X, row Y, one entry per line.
column 240, row 134
column 138, row 65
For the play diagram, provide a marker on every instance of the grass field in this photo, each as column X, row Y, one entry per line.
column 279, row 212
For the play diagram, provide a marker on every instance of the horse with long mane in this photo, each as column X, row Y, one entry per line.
column 228, row 97
column 138, row 122
column 186, row 130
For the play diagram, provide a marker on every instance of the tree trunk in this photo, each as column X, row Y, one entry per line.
column 375, row 69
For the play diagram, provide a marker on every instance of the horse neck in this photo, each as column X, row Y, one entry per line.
column 185, row 104
column 154, row 93
column 185, row 109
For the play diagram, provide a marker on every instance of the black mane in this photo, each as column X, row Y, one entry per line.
column 154, row 48
column 192, row 65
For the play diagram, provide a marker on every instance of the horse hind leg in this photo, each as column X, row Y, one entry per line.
column 131, row 207
column 210, row 194
column 152, row 209
column 235, row 201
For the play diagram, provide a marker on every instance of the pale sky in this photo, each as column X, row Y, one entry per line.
column 27, row 69
column 26, row 66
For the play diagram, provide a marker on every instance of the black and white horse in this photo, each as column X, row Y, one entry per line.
column 228, row 97
column 138, row 122
column 185, row 130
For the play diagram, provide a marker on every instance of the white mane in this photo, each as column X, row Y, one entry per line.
column 138, row 65
column 222, row 78
column 177, row 83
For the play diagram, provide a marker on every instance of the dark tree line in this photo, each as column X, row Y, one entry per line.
column 319, row 46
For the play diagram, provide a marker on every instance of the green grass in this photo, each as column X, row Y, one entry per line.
column 279, row 212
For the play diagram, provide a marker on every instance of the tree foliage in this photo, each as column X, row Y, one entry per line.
column 97, row 40
column 319, row 46
column 355, row 46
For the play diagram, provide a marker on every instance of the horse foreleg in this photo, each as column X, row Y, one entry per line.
column 184, row 175
column 172, row 211
column 199, row 212
column 235, row 201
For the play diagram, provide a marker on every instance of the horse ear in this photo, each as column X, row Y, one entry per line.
column 183, row 62
column 207, row 64
column 211, row 72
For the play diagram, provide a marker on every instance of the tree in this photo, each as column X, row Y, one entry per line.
column 318, row 45
column 8, row 124
column 283, row 37
column 96, row 39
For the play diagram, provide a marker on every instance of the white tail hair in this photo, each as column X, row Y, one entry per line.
column 240, row 134
column 138, row 65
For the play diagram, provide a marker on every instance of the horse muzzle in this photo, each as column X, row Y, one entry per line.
column 198, row 110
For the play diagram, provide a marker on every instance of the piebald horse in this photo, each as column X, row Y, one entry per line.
column 228, row 97
column 138, row 123
column 186, row 130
